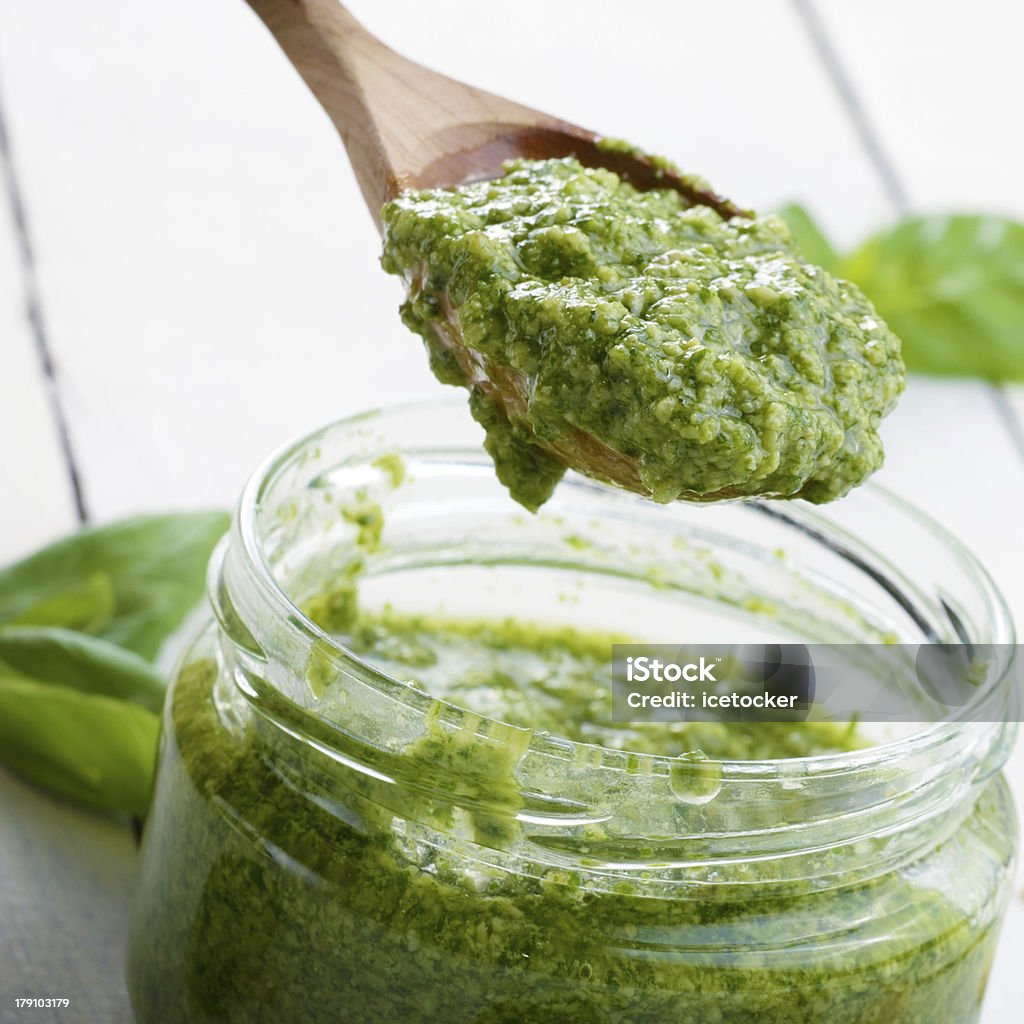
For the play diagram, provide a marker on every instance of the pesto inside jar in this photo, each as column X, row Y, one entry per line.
column 640, row 339
column 553, row 680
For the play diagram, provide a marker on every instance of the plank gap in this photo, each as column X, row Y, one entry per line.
column 1009, row 415
column 836, row 73
column 36, row 319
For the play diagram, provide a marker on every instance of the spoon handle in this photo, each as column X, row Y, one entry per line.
column 339, row 61
column 401, row 122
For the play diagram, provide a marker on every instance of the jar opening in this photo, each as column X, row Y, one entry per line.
column 404, row 502
column 300, row 490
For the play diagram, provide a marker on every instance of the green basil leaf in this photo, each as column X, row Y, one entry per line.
column 86, row 606
column 155, row 565
column 85, row 663
column 94, row 749
column 809, row 239
column 952, row 288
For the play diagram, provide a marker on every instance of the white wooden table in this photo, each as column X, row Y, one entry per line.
column 188, row 277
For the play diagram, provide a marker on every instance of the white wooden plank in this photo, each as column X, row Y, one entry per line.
column 35, row 499
column 65, row 880
column 63, row 874
column 941, row 83
column 942, row 121
column 949, row 452
column 210, row 275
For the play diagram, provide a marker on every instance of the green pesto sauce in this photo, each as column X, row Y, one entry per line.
column 278, row 886
column 367, row 516
column 554, row 680
column 642, row 340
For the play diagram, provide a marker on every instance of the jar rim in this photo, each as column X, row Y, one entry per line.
column 946, row 735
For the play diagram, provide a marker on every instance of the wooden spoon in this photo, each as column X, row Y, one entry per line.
column 406, row 126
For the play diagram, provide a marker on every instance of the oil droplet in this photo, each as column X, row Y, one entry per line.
column 695, row 779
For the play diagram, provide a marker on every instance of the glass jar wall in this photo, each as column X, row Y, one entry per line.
column 329, row 842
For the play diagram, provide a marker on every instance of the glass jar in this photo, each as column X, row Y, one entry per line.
column 328, row 843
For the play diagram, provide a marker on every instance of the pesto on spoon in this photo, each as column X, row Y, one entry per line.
column 642, row 339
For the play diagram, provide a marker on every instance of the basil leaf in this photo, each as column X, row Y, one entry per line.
column 84, row 663
column 86, row 606
column 155, row 566
column 952, row 288
column 809, row 238
column 91, row 748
